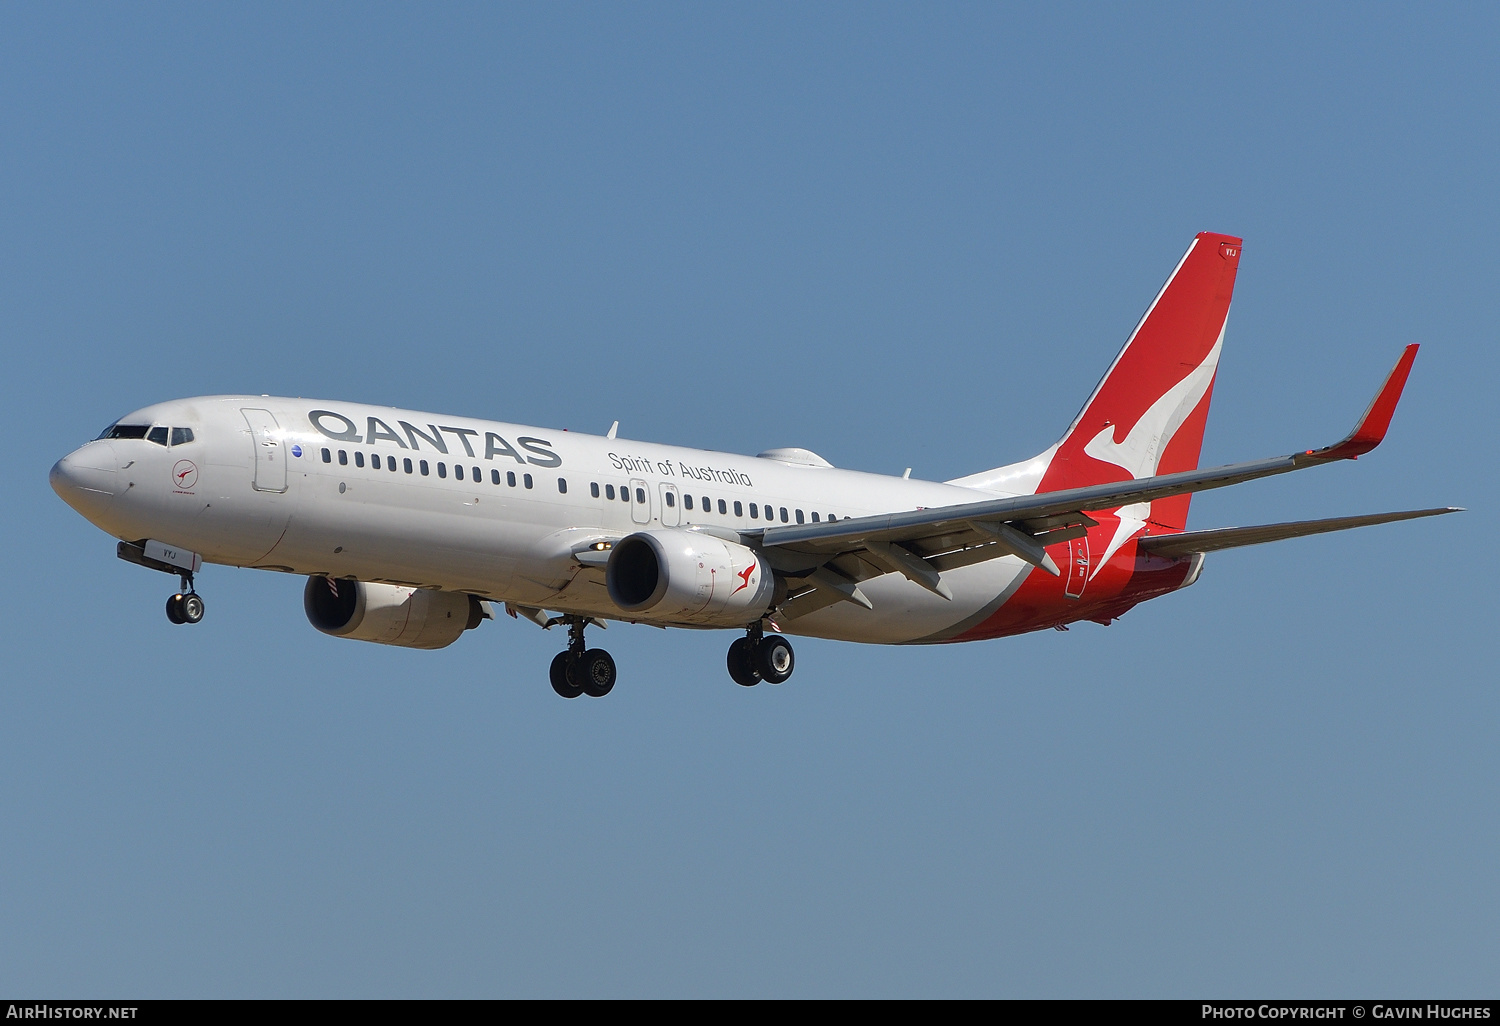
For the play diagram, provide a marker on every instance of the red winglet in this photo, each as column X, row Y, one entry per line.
column 1370, row 431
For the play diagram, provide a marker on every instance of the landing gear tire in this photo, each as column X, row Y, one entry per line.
column 773, row 659
column 561, row 682
column 185, row 607
column 191, row 607
column 742, row 663
column 580, row 670
column 595, row 672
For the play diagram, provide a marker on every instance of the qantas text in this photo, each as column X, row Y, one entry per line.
column 341, row 429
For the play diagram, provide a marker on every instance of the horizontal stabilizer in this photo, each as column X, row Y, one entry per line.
column 1233, row 537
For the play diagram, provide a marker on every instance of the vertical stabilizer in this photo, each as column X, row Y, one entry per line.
column 1148, row 413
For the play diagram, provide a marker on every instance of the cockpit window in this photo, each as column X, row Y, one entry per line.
column 157, row 435
column 182, row 436
column 125, row 431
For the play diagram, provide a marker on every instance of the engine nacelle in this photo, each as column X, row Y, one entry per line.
column 389, row 614
column 689, row 577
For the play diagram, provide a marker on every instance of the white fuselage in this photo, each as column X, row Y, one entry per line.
column 500, row 511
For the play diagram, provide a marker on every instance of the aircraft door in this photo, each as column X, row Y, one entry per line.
column 640, row 502
column 1078, row 567
column 270, row 457
column 670, row 514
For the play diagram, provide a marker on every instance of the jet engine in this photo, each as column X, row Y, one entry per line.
column 389, row 614
column 689, row 577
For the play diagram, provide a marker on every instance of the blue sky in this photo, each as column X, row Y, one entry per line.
column 897, row 235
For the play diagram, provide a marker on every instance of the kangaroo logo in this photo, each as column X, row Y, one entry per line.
column 1140, row 452
column 744, row 576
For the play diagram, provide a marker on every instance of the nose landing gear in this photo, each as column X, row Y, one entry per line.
column 756, row 657
column 185, row 606
column 581, row 670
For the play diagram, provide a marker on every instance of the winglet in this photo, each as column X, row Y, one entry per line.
column 1370, row 431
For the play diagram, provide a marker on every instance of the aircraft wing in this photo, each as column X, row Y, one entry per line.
column 832, row 558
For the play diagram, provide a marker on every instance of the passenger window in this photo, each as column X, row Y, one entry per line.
column 526, row 480
column 477, row 476
column 640, row 496
column 624, row 494
column 815, row 516
column 182, row 436
column 687, row 501
column 754, row 511
column 739, row 510
column 406, row 465
column 422, row 466
column 157, row 435
column 494, row 477
column 562, row 486
column 442, row 470
column 671, row 499
column 390, row 464
column 594, row 489
column 343, row 458
column 783, row 515
column 799, row 516
column 375, row 461
column 359, row 459
column 327, row 456
column 609, row 491
column 831, row 518
column 458, row 471
column 510, row 478
column 723, row 506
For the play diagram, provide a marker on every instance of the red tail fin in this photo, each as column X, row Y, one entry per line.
column 1147, row 415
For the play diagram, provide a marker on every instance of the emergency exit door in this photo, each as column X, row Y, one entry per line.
column 640, row 502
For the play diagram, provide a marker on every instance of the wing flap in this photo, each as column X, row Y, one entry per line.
column 918, row 525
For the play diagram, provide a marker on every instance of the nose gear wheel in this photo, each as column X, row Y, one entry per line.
column 186, row 606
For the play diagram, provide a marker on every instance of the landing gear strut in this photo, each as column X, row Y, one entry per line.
column 757, row 657
column 581, row 670
column 185, row 606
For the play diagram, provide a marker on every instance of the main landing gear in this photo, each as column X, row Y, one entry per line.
column 759, row 657
column 580, row 670
column 185, row 606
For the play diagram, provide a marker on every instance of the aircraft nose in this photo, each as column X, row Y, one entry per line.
column 85, row 478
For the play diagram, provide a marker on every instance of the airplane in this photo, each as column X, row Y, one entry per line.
column 412, row 528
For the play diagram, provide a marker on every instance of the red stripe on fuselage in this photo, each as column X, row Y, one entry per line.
column 1042, row 599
